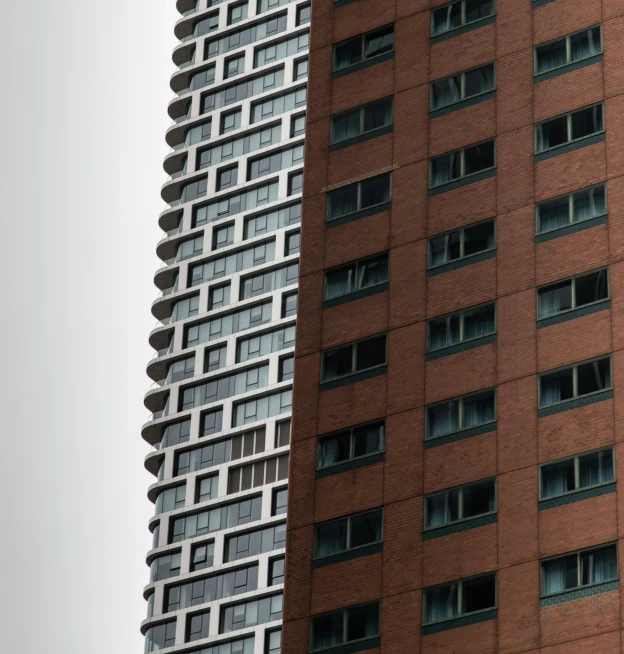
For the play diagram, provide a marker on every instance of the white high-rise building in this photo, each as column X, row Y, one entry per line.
column 223, row 369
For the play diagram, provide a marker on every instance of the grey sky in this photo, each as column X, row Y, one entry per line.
column 84, row 94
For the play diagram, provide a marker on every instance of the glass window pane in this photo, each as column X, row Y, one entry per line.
column 585, row 44
column 345, row 126
column 550, row 55
column 363, row 622
column 327, row 630
column 446, row 18
column 594, row 376
column 379, row 42
column 337, row 363
column 368, row 439
column 599, row 566
column 334, row 449
column 558, row 478
column 552, row 133
column 556, row 387
column 365, row 529
column 478, row 409
column 375, row 191
column 479, row 322
column 559, row 575
column 554, row 299
column 339, row 282
column 442, row 419
column 370, row 353
column 478, row 499
column 377, row 114
column 587, row 122
column 479, row 81
column 591, row 288
column 478, row 594
column 477, row 9
column 343, row 201
column 441, row 603
column 331, row 538
column 446, row 92
column 347, row 54
column 478, row 157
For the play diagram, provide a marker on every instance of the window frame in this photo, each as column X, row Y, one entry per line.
column 577, row 487
column 579, row 569
column 461, row 520
column 570, row 197
column 361, row 111
column 329, row 220
column 464, row 97
column 463, row 23
column 356, row 265
column 460, row 586
column 462, row 164
column 568, row 116
column 572, row 280
column 344, row 611
column 363, row 59
column 348, row 519
column 567, row 38
column 354, row 350
column 462, row 245
column 447, row 317
column 381, row 423
column 574, row 367
column 460, row 413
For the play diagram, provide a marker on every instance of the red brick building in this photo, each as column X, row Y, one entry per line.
column 458, row 409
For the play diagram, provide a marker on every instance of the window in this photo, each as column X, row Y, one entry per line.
column 459, row 598
column 577, row 473
column 211, row 520
column 568, row 50
column 280, row 501
column 230, row 121
column 242, row 90
column 303, row 15
column 206, row 25
column 353, row 443
column 208, row 589
column 572, row 293
column 348, row 533
column 243, row 144
column 160, row 636
column 461, row 164
column 185, row 308
column 256, row 542
column 363, row 48
column 293, row 241
column 462, row 86
column 295, row 183
column 244, row 36
column 282, row 433
column 350, row 359
column 166, row 566
column 265, row 223
column 286, row 368
column 175, row 433
column 235, row 204
column 259, row 345
column 463, row 503
column 289, row 304
column 202, row 79
column 279, row 50
column 219, row 296
column 457, row 14
column 261, row 408
column 275, row 161
column 227, row 177
column 194, row 190
column 278, row 104
column 190, row 248
column 461, row 327
column 198, row 133
column 206, row 488
column 261, row 283
column 568, row 128
column 197, row 626
column 300, row 69
column 372, row 192
column 211, row 422
column 273, row 642
column 234, row 66
column 215, row 358
column 248, row 443
column 584, row 568
column 461, row 413
column 206, row 456
column 276, row 571
column 249, row 614
column 356, row 276
column 258, row 474
column 171, row 498
column 202, row 556
column 345, row 626
column 576, row 207
column 363, row 120
column 461, row 243
column 223, row 235
column 575, row 381
column 297, row 125
column 237, row 12
column 232, row 262
column 179, row 370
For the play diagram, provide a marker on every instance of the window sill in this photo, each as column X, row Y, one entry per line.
column 458, row 527
column 349, row 555
column 346, row 466
column 356, row 295
column 541, row 3
column 469, row 102
column 462, row 621
column 579, row 593
column 342, row 3
column 361, row 138
column 574, row 313
column 464, row 181
column 363, row 64
column 575, row 403
column 460, row 435
column 364, row 213
column 352, row 379
column 461, row 263
column 460, row 347
column 572, row 228
column 570, row 147
column 576, row 496
column 351, row 648
column 562, row 70
column 438, row 38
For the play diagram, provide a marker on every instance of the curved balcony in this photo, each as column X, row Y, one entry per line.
column 178, row 107
column 162, row 306
column 167, row 247
column 159, row 337
column 174, row 161
column 151, row 431
column 164, row 277
column 184, row 52
column 153, row 461
column 169, row 219
column 184, row 6
column 170, row 191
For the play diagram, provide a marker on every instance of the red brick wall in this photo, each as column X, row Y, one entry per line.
column 522, row 535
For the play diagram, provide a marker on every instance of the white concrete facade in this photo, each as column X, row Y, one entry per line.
column 249, row 409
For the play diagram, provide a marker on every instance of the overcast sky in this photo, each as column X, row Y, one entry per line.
column 83, row 115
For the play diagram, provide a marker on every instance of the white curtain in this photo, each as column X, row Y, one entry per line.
column 554, row 576
column 478, row 322
column 588, row 204
column 555, row 214
column 585, row 45
column 444, row 169
column 478, row 410
column 555, row 299
column 443, row 419
column 446, row 92
column 596, row 468
column 440, row 509
column 328, row 453
column 551, row 56
column 599, row 566
column 441, row 603
column 555, row 480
